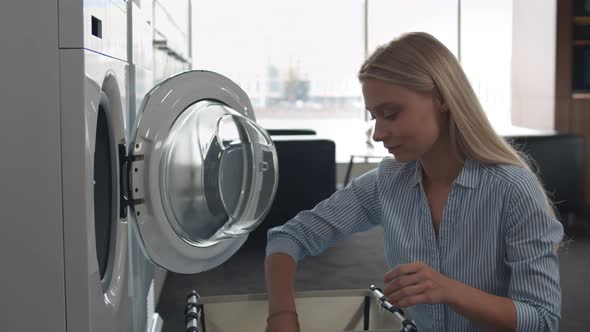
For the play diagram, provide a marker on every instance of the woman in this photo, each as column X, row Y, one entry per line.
column 470, row 235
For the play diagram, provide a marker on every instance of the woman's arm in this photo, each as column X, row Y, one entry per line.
column 349, row 210
column 493, row 312
column 418, row 283
column 280, row 275
column 532, row 235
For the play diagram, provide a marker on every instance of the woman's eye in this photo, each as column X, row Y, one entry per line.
column 390, row 115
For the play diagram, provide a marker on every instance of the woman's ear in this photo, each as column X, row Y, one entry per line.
column 440, row 102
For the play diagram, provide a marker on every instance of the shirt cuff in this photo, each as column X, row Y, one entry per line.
column 527, row 318
column 285, row 245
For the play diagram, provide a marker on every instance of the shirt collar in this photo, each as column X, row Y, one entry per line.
column 468, row 177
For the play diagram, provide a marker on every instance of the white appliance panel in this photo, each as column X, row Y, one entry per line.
column 93, row 303
column 103, row 22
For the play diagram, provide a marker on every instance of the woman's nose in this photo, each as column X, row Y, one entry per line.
column 379, row 133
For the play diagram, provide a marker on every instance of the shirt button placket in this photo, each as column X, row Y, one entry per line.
column 445, row 233
column 428, row 231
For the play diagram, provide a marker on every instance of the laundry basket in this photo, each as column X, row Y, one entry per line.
column 319, row 311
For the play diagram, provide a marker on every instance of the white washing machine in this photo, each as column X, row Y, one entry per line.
column 188, row 176
column 94, row 128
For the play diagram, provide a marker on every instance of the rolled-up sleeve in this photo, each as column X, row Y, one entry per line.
column 352, row 209
column 532, row 237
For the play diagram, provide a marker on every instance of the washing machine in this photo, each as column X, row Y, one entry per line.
column 196, row 177
column 90, row 185
column 70, row 245
column 95, row 127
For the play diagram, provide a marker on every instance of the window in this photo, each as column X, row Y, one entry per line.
column 486, row 50
column 298, row 60
column 389, row 19
column 295, row 59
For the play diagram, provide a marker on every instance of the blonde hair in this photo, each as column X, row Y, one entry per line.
column 420, row 62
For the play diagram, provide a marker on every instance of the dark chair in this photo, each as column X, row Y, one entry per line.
column 558, row 160
column 307, row 175
column 290, row 132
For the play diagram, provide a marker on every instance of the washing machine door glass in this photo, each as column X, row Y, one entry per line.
column 217, row 173
column 203, row 172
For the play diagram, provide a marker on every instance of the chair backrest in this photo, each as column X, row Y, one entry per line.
column 558, row 160
column 276, row 132
column 307, row 175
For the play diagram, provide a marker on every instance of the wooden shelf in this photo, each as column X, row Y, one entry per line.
column 581, row 95
column 582, row 20
column 581, row 42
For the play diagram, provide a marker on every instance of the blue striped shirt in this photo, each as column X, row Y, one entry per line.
column 495, row 235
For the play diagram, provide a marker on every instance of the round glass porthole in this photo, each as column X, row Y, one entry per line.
column 218, row 173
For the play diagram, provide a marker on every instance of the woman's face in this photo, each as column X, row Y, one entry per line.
column 408, row 123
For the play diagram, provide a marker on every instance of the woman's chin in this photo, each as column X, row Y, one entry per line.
column 403, row 157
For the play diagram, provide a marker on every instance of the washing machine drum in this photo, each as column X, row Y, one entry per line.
column 203, row 173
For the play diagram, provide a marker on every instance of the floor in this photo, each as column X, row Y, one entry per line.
column 355, row 264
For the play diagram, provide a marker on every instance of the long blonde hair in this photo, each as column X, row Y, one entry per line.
column 420, row 62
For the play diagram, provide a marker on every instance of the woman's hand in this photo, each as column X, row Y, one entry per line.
column 417, row 283
column 282, row 322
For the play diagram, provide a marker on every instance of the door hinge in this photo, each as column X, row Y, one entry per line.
column 126, row 198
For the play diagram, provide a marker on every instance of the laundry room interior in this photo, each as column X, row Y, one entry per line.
column 295, row 165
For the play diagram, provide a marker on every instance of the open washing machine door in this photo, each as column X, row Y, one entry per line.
column 202, row 173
